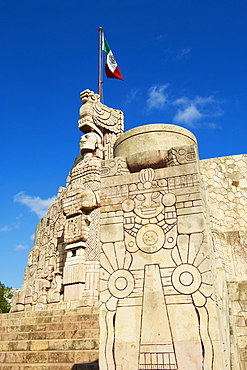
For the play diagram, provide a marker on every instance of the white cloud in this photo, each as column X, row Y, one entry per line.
column 188, row 116
column 157, row 97
column 20, row 247
column 132, row 95
column 198, row 100
column 19, row 216
column 35, row 204
column 214, row 125
column 159, row 37
column 204, row 101
column 32, row 237
column 192, row 112
column 181, row 101
column 5, row 228
column 183, row 53
column 177, row 55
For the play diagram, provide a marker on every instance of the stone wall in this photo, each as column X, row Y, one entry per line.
column 225, row 180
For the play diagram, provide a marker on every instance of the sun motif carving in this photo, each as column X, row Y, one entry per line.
column 192, row 273
column 116, row 281
column 121, row 283
column 150, row 238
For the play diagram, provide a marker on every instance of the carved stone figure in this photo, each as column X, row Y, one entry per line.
column 82, row 198
column 105, row 121
column 63, row 266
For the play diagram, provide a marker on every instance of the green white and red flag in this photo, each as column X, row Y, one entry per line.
column 111, row 68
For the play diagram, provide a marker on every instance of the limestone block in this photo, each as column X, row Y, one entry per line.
column 61, row 356
column 39, row 345
column 36, row 357
column 86, row 356
column 74, row 269
column 191, row 223
column 157, row 280
column 74, row 273
column 73, row 292
column 111, row 233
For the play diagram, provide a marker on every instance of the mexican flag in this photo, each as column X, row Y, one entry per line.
column 111, row 67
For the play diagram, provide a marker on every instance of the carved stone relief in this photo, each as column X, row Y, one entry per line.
column 63, row 265
column 157, row 288
column 43, row 277
column 181, row 155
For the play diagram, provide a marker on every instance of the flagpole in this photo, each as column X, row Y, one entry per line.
column 100, row 82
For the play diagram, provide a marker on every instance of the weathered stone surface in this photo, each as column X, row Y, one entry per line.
column 63, row 266
column 152, row 137
column 157, row 284
column 170, row 234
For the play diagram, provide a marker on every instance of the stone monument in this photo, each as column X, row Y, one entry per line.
column 153, row 236
column 157, row 282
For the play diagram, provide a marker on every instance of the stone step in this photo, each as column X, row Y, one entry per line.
column 47, row 367
column 52, row 340
column 48, row 319
column 12, row 366
column 61, row 312
column 47, row 357
column 16, row 316
column 53, row 344
column 89, row 322
column 58, row 366
column 64, row 334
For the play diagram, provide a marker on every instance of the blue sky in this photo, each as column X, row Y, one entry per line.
column 183, row 62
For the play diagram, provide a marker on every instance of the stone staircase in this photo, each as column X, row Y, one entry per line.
column 48, row 340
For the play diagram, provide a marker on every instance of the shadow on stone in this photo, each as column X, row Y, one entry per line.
column 87, row 366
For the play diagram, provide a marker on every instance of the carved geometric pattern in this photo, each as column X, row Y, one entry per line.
column 192, row 274
column 93, row 242
column 181, row 155
column 157, row 360
column 186, row 279
column 114, row 167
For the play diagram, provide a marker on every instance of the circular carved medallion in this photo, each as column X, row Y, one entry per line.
column 128, row 205
column 121, row 283
column 186, row 279
column 150, row 238
column 169, row 199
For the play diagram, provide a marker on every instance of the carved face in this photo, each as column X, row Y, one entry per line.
column 148, row 205
column 88, row 142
